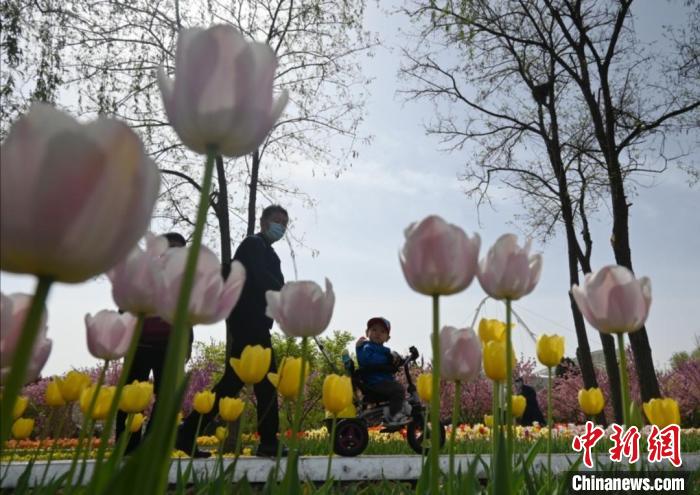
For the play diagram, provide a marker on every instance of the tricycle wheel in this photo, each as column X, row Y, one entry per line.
column 417, row 440
column 351, row 437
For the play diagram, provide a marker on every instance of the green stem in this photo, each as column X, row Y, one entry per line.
column 22, row 355
column 87, row 424
column 495, row 420
column 509, row 392
column 279, row 446
column 330, row 447
column 119, row 449
column 53, row 447
column 549, row 426
column 155, row 473
column 435, row 402
column 111, row 416
column 294, row 443
column 455, row 411
column 623, row 379
column 196, row 435
column 237, row 450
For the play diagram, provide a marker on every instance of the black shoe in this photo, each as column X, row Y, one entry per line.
column 270, row 451
column 200, row 454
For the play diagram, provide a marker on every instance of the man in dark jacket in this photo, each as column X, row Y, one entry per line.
column 532, row 409
column 250, row 326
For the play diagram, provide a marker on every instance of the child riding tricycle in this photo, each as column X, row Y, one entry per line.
column 379, row 399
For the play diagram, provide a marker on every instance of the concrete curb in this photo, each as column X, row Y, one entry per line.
column 313, row 468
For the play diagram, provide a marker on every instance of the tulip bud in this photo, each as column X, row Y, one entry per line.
column 518, row 404
column 550, row 349
column 460, row 354
column 52, row 396
column 286, row 380
column 488, row 420
column 591, row 401
column 136, row 422
column 495, row 360
column 203, row 401
column 109, row 334
column 72, row 385
column 222, row 93
column 337, row 393
column 22, row 428
column 136, row 397
column 662, row 412
column 15, row 309
column 438, row 258
column 20, row 406
column 137, row 280
column 613, row 301
column 253, row 364
column 212, row 298
column 490, row 329
column 221, row 433
column 230, row 408
column 424, row 385
column 105, row 396
column 301, row 309
column 508, row 271
column 75, row 198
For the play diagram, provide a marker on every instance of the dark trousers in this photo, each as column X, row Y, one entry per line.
column 392, row 390
column 150, row 356
column 147, row 358
column 230, row 386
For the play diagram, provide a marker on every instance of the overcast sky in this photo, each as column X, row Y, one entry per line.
column 400, row 178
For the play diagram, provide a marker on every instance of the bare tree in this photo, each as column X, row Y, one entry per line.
column 499, row 61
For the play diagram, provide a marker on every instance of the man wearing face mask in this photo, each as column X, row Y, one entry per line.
column 250, row 326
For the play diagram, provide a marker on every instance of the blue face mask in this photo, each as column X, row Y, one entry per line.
column 275, row 232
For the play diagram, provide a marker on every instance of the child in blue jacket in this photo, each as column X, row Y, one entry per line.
column 379, row 363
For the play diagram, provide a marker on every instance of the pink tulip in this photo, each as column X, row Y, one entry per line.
column 222, row 92
column 508, row 271
column 75, row 198
column 137, row 280
column 301, row 309
column 613, row 301
column 109, row 334
column 15, row 308
column 438, row 258
column 460, row 351
column 212, row 298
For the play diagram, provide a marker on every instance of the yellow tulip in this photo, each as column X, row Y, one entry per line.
column 492, row 330
column 488, row 420
column 203, row 401
column 20, row 406
column 221, row 433
column 104, row 400
column 424, row 384
column 348, row 412
column 662, row 412
column 286, row 380
column 253, row 364
column 518, row 404
column 230, row 408
column 22, row 428
column 495, row 360
column 550, row 349
column 136, row 397
column 337, row 393
column 591, row 401
column 72, row 385
column 178, row 420
column 53, row 396
column 136, row 422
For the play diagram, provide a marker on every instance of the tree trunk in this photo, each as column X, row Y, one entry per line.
column 252, row 196
column 639, row 340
